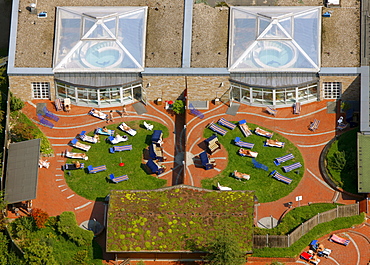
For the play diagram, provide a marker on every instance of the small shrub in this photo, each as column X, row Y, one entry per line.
column 40, row 217
column 178, row 107
column 81, row 257
column 338, row 160
column 15, row 103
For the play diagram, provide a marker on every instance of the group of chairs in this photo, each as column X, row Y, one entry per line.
column 45, row 118
column 65, row 105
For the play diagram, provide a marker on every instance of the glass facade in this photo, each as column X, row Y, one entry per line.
column 273, row 96
column 102, row 97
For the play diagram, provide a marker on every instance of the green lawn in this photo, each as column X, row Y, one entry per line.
column 347, row 177
column 267, row 189
column 97, row 186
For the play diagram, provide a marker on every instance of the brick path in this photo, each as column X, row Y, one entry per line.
column 54, row 196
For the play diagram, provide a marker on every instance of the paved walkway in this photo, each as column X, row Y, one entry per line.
column 54, row 196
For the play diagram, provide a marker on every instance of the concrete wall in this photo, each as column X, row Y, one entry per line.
column 172, row 87
column 350, row 86
column 21, row 86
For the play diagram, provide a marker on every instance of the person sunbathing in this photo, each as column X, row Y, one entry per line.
column 104, row 129
column 320, row 248
column 274, row 142
column 96, row 138
column 240, row 175
column 77, row 164
column 80, row 155
column 246, row 152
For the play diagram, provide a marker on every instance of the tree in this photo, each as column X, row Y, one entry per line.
column 38, row 253
column 225, row 250
column 40, row 217
column 178, row 107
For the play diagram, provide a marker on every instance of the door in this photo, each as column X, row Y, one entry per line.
column 226, row 97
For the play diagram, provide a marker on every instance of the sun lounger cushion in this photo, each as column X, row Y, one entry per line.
column 283, row 159
column 271, row 110
column 217, row 129
column 117, row 139
column 50, row 115
column 118, row 179
column 44, row 121
column 274, row 143
column 292, row 167
column 76, row 144
column 240, row 143
column 339, row 240
column 280, row 177
column 94, row 170
column 226, row 123
column 76, row 155
column 100, row 131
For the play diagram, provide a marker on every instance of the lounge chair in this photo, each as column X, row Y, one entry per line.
column 297, row 108
column 280, row 177
column 98, row 114
column 94, row 170
column 117, row 139
column 274, row 143
column 271, row 110
column 58, row 104
column 89, row 139
column 155, row 167
column 195, row 112
column 217, row 129
column 340, row 240
column 157, row 137
column 226, row 124
column 314, row 125
column 127, row 129
column 240, row 143
column 73, row 166
column 76, row 144
column 263, row 133
column 120, row 148
column 283, row 159
column 244, row 152
column 342, row 126
column 44, row 121
column 206, row 161
column 43, row 163
column 306, row 256
column 76, row 155
column 292, row 167
column 50, row 115
column 212, row 143
column 219, row 187
column 148, row 126
column 240, row 176
column 244, row 128
column 67, row 104
column 156, row 153
column 118, row 179
column 100, row 131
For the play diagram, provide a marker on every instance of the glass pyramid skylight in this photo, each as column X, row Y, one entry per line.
column 275, row 38
column 100, row 39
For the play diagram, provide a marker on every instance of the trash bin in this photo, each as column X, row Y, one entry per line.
column 159, row 101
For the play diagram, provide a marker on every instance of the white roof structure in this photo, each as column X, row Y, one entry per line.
column 100, row 39
column 275, row 39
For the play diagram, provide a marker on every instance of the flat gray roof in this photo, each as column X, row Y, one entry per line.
column 22, row 171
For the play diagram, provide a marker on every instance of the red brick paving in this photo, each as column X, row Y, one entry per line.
column 53, row 192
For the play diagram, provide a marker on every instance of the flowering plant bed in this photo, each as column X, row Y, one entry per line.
column 178, row 218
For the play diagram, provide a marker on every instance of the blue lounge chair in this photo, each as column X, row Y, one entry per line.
column 226, row 124
column 155, row 168
column 118, row 179
column 212, row 143
column 283, row 159
column 195, row 112
column 50, row 115
column 292, row 167
column 44, row 121
column 204, row 158
column 280, row 177
column 96, row 169
column 120, row 148
column 240, row 143
column 271, row 110
column 217, row 129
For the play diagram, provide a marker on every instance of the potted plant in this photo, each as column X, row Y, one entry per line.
column 178, row 107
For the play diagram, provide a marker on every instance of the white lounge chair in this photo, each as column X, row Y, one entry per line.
column 148, row 126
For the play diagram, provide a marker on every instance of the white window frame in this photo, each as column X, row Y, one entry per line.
column 40, row 90
column 332, row 90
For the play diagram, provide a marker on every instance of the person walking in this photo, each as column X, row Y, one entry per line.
column 110, row 117
column 124, row 111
